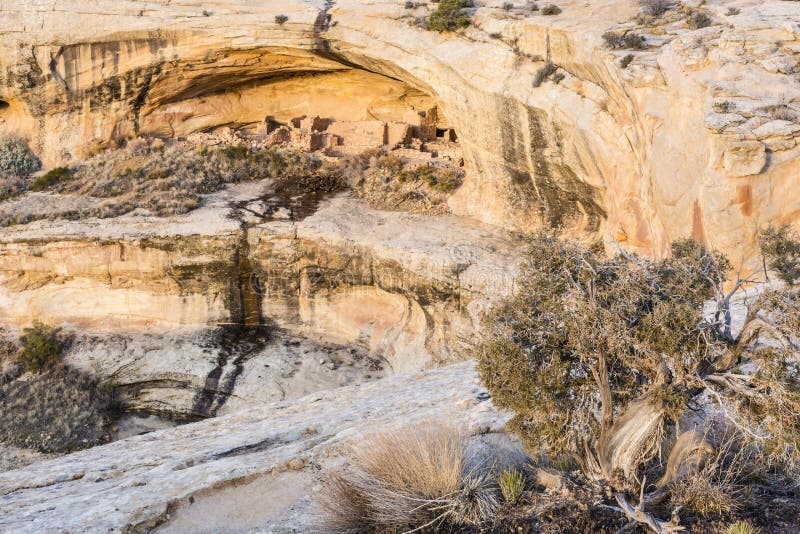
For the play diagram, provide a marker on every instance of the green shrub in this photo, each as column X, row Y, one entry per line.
column 625, row 61
column 512, row 485
column 281, row 19
column 551, row 9
column 236, row 152
column 16, row 158
column 42, row 347
column 51, row 178
column 60, row 410
column 449, row 16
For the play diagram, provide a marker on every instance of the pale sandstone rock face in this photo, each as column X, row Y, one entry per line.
column 135, row 484
column 411, row 289
column 633, row 154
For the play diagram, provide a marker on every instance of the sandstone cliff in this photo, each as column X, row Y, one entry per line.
column 697, row 136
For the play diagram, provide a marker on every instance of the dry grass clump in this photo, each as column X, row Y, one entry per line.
column 724, row 484
column 408, row 479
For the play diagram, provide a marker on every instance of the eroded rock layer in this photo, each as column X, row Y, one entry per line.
column 411, row 289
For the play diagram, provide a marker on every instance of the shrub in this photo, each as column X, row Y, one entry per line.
column 543, row 73
column 781, row 249
column 16, row 158
column 512, row 485
column 407, row 479
column 449, row 16
column 236, row 151
column 51, row 178
column 654, row 8
column 723, row 106
column 60, row 410
column 698, row 19
column 742, row 527
column 42, row 346
column 441, row 180
column 731, row 12
column 281, row 19
column 551, row 9
column 596, row 356
column 629, row 40
column 508, row 6
column 625, row 61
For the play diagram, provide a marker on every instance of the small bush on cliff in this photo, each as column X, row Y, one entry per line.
column 51, row 178
column 16, row 158
column 449, row 16
column 697, row 19
column 551, row 9
column 444, row 180
column 596, row 356
column 413, row 478
column 281, row 19
column 655, row 8
column 42, row 346
column 629, row 40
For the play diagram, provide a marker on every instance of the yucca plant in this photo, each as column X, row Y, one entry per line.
column 512, row 485
column 743, row 527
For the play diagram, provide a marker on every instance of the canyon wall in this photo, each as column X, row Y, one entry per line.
column 697, row 136
column 410, row 289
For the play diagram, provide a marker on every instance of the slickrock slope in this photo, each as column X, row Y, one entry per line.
column 697, row 136
column 133, row 485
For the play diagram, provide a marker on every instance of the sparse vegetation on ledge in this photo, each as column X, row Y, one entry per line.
column 449, row 16
column 51, row 407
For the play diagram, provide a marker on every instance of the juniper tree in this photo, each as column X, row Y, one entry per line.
column 597, row 355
